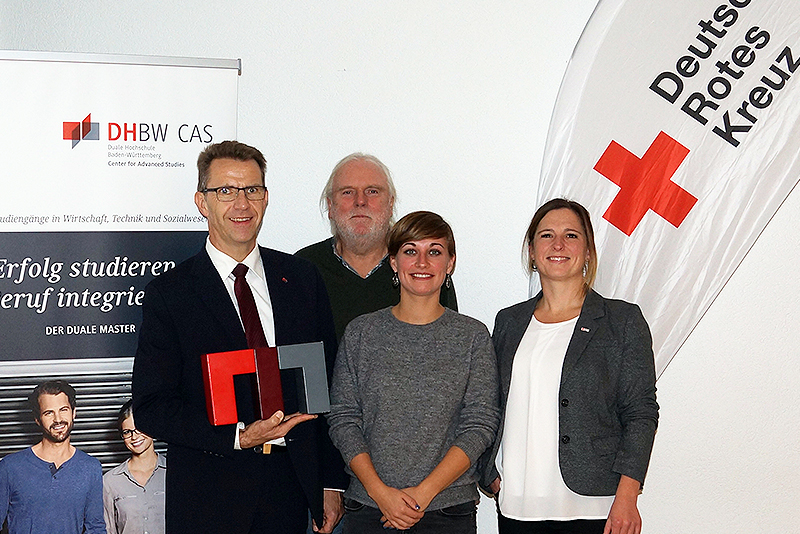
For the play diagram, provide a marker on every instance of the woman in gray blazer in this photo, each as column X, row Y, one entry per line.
column 578, row 395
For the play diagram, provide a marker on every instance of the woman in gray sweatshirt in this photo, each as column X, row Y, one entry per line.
column 414, row 396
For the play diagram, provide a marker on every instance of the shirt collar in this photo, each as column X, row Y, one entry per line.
column 348, row 266
column 122, row 469
column 224, row 264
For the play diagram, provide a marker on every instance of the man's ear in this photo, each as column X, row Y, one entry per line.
column 200, row 202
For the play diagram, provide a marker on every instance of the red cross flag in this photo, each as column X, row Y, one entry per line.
column 677, row 125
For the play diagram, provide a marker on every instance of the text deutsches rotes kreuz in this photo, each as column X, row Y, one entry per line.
column 701, row 105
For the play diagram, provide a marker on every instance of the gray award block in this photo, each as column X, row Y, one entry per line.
column 309, row 360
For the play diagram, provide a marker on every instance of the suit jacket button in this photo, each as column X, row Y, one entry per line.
column 564, row 402
column 258, row 449
column 565, row 439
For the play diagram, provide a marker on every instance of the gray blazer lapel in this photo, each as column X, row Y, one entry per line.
column 593, row 309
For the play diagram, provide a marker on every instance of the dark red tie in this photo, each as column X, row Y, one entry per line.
column 268, row 375
column 253, row 330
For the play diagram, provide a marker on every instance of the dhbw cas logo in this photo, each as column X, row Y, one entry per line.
column 85, row 130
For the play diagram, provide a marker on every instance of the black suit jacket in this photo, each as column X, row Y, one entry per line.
column 607, row 397
column 188, row 312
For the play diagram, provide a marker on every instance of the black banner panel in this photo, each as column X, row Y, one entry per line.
column 79, row 294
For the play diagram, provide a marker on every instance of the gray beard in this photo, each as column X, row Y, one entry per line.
column 361, row 244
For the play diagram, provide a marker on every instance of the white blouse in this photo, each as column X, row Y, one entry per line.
column 531, row 484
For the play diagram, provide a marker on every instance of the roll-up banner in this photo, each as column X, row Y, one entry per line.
column 98, row 172
column 677, row 125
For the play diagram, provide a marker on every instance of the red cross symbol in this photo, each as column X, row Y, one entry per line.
column 646, row 183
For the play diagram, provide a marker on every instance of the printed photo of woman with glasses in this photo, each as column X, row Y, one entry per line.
column 133, row 492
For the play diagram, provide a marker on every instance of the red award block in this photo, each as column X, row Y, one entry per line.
column 219, row 369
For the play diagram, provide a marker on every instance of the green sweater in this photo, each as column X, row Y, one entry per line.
column 352, row 295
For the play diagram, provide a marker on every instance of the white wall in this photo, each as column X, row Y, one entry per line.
column 455, row 97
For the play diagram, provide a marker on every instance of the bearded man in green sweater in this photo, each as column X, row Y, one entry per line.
column 359, row 199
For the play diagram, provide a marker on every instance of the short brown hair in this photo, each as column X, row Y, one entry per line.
column 229, row 150
column 586, row 223
column 49, row 387
column 420, row 225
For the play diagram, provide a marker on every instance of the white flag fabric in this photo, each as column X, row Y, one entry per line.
column 677, row 125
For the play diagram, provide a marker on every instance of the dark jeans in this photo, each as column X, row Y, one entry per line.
column 575, row 526
column 459, row 519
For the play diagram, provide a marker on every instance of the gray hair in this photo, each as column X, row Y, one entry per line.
column 327, row 192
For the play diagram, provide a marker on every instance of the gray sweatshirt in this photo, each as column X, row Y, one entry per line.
column 406, row 393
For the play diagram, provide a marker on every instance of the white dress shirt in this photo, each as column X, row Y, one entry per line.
column 532, row 488
column 257, row 281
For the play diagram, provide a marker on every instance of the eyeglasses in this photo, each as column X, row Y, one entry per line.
column 128, row 432
column 228, row 193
